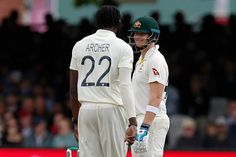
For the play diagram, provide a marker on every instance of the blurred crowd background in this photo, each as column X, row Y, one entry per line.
column 34, row 81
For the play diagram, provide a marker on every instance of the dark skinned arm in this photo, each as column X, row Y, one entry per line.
column 74, row 103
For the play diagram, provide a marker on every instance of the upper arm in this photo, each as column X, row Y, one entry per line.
column 74, row 67
column 157, row 90
column 157, row 71
column 158, row 79
column 126, row 57
column 74, row 57
column 73, row 79
column 125, row 76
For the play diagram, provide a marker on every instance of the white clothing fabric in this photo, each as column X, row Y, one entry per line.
column 98, row 58
column 152, row 68
column 157, row 136
column 102, row 130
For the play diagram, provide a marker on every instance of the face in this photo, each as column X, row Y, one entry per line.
column 141, row 39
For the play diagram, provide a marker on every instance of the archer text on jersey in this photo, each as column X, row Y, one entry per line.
column 98, row 47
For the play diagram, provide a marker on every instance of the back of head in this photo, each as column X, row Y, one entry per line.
column 108, row 16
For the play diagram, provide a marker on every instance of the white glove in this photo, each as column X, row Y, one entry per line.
column 141, row 141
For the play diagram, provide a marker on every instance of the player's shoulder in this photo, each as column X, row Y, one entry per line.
column 123, row 44
column 82, row 41
column 157, row 56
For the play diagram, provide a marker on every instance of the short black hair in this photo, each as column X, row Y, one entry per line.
column 108, row 16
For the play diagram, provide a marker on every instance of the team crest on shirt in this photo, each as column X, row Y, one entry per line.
column 155, row 72
column 140, row 68
column 137, row 24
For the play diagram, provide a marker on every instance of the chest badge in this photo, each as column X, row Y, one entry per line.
column 140, row 68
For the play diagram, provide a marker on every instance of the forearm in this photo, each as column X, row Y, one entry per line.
column 149, row 116
column 127, row 94
column 128, row 100
column 74, row 103
column 155, row 99
column 75, row 106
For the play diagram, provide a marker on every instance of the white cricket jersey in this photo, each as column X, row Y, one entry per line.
column 152, row 68
column 97, row 58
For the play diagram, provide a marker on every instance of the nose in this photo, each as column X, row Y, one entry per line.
column 137, row 37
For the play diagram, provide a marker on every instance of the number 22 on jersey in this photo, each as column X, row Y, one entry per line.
column 93, row 67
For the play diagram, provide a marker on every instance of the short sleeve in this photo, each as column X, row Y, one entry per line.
column 126, row 58
column 73, row 62
column 157, row 71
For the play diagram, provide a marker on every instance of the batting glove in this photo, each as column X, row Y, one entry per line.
column 141, row 141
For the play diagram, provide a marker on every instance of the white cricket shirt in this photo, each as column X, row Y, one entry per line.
column 97, row 58
column 152, row 68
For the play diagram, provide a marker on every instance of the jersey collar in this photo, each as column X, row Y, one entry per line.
column 151, row 51
column 148, row 54
column 104, row 32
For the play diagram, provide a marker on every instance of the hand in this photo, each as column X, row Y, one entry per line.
column 130, row 134
column 141, row 140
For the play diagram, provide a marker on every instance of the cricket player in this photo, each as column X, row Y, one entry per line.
column 101, row 94
column 150, row 80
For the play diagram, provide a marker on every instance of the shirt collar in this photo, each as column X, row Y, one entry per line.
column 148, row 54
column 105, row 32
column 151, row 51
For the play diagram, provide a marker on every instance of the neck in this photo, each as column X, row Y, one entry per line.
column 113, row 29
column 144, row 51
